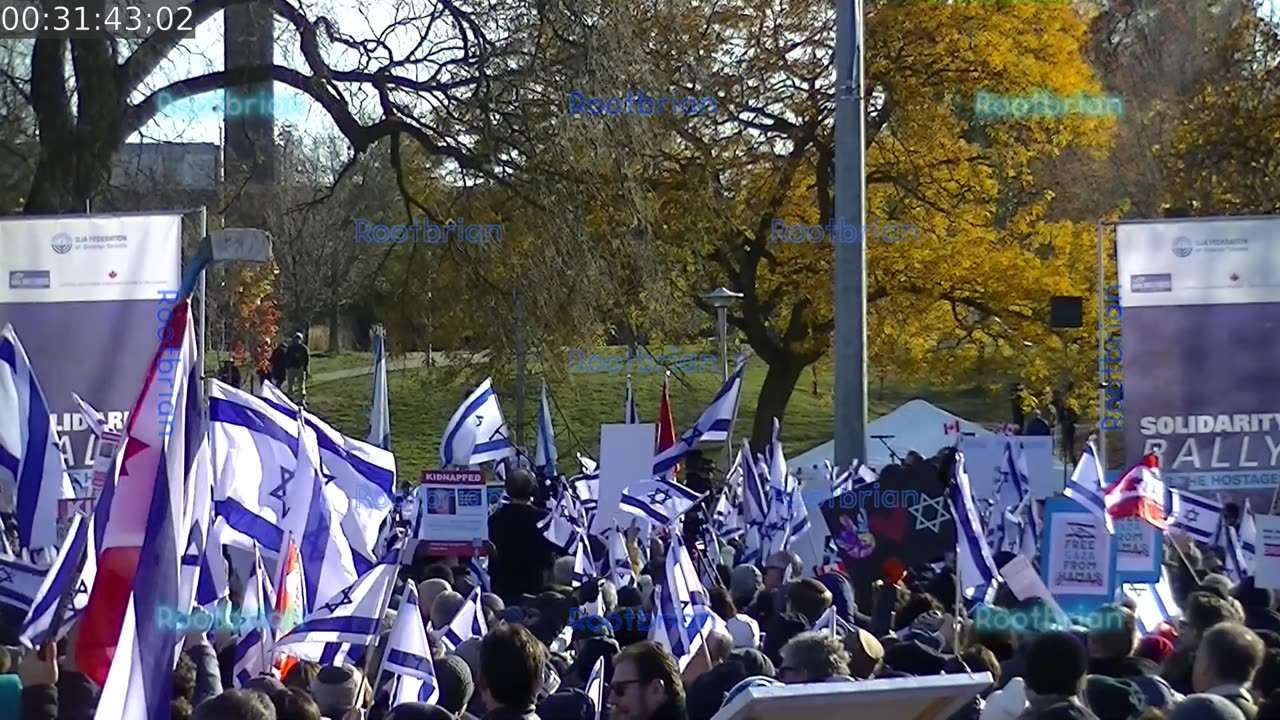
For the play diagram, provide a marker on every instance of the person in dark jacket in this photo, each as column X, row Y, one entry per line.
column 1257, row 603
column 511, row 671
column 279, row 365
column 1112, row 642
column 39, row 674
column 520, row 555
column 1228, row 656
column 229, row 373
column 297, row 363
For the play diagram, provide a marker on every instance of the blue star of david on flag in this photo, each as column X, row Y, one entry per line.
column 341, row 599
column 659, row 496
column 5, row 576
column 281, row 491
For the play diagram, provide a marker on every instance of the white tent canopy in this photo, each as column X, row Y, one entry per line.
column 915, row 425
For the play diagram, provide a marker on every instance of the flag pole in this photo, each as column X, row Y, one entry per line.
column 386, row 601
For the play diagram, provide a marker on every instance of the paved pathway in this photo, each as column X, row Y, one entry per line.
column 401, row 362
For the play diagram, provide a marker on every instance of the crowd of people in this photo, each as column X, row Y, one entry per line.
column 1219, row 661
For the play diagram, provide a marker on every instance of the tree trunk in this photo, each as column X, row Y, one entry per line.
column 335, row 328
column 779, row 382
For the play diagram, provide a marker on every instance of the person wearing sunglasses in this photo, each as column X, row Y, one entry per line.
column 646, row 685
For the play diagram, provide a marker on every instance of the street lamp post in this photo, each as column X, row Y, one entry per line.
column 228, row 245
column 720, row 299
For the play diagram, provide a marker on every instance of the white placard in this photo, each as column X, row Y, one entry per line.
column 1266, row 572
column 984, row 459
column 626, row 457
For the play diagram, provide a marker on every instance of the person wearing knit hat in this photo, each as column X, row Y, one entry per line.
column 1113, row 699
column 418, row 711
column 1154, row 648
column 453, row 677
column 567, row 704
column 865, row 653
column 337, row 689
column 1205, row 707
column 915, row 658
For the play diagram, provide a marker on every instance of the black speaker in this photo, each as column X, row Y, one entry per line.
column 1066, row 312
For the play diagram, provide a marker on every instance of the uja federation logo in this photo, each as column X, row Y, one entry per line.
column 62, row 243
column 1182, row 247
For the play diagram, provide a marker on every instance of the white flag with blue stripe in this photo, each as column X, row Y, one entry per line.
column 976, row 568
column 468, row 623
column 712, row 425
column 408, row 656
column 253, row 654
column 30, row 459
column 1086, row 485
column 379, row 408
column 564, row 525
column 364, row 473
column 546, row 457
column 1193, row 515
column 660, row 501
column 683, row 615
column 353, row 615
column 20, row 582
column 60, row 582
column 1248, row 534
column 476, row 433
column 1156, row 603
column 620, row 571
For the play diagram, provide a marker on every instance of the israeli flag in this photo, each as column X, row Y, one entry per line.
column 19, row 583
column 712, row 426
column 1156, row 603
column 379, row 410
column 660, row 501
column 975, row 566
column 61, row 582
column 546, row 457
column 1248, row 534
column 564, row 525
column 365, row 474
column 1086, row 485
column 253, row 654
column 408, row 655
column 30, row 459
column 468, row 623
column 476, row 433
column 1193, row 515
column 595, row 687
column 620, row 572
column 353, row 615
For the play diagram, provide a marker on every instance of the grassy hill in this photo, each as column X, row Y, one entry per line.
column 423, row 399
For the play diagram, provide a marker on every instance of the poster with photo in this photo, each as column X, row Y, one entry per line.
column 454, row 510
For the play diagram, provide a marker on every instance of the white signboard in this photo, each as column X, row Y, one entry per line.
column 626, row 457
column 984, row 460
column 89, row 258
column 1266, row 573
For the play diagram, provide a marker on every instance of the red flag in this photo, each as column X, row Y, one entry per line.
column 1140, row 494
column 666, row 426
column 153, row 455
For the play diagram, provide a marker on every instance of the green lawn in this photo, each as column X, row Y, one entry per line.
column 321, row 362
column 423, row 399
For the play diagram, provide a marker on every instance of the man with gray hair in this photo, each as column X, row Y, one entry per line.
column 562, row 571
column 745, row 584
column 446, row 606
column 812, row 657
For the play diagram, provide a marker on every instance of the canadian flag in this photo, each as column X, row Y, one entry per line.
column 1140, row 493
column 951, row 428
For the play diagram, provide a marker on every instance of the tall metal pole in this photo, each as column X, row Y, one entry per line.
column 1102, row 349
column 722, row 330
column 204, row 299
column 850, row 258
column 520, row 361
